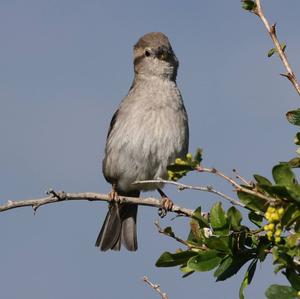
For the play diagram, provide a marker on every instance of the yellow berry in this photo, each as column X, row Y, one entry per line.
column 298, row 294
column 280, row 211
column 266, row 227
column 178, row 161
column 271, row 209
column 271, row 226
column 269, row 235
column 267, row 215
column 189, row 156
column 277, row 239
column 274, row 216
column 278, row 232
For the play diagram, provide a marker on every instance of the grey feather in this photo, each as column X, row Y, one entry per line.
column 119, row 226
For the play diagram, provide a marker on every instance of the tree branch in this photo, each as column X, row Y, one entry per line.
column 181, row 186
column 237, row 186
column 56, row 197
column 155, row 287
column 169, row 233
column 272, row 32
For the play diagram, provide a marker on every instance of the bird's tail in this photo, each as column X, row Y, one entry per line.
column 119, row 226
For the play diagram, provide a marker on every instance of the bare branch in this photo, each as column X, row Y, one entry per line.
column 237, row 186
column 155, row 287
column 171, row 235
column 272, row 32
column 55, row 197
column 242, row 179
column 181, row 186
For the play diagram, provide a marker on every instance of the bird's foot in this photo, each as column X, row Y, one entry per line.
column 166, row 205
column 113, row 195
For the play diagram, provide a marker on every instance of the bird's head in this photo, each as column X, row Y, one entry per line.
column 154, row 56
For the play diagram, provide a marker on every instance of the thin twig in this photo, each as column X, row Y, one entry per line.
column 237, row 186
column 242, row 179
column 272, row 32
column 181, row 186
column 155, row 287
column 56, row 197
column 171, row 235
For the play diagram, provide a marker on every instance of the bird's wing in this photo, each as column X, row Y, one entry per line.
column 112, row 123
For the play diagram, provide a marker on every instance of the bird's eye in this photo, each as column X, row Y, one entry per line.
column 147, row 53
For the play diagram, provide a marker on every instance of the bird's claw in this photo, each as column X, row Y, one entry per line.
column 166, row 205
column 113, row 196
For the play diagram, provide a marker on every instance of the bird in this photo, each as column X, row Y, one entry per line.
column 148, row 132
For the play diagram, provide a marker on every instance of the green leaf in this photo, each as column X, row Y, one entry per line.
column 263, row 248
column 197, row 223
column 198, row 155
column 283, row 175
column 293, row 278
column 251, row 201
column 247, row 278
column 168, row 259
column 218, row 219
column 291, row 213
column 297, row 225
column 197, row 215
column 186, row 270
column 283, row 46
column 179, row 167
column 232, row 266
column 295, row 162
column 218, row 243
column 204, row 261
column 297, row 139
column 262, row 180
column 168, row 230
column 293, row 117
column 294, row 192
column 271, row 52
column 255, row 218
column 274, row 50
column 248, row 5
column 196, row 235
column 277, row 191
column 234, row 217
column 224, row 265
column 276, row 291
column 293, row 240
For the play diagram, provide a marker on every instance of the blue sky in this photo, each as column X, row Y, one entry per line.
column 65, row 66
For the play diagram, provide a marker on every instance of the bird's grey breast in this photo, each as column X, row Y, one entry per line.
column 149, row 131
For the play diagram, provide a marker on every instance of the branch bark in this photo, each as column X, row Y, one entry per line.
column 155, row 287
column 237, row 186
column 56, row 197
column 272, row 32
column 181, row 186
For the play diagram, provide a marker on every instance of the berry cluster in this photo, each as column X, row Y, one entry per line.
column 186, row 161
column 274, row 228
column 181, row 167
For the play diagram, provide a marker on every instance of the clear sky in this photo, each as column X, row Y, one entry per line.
column 65, row 66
